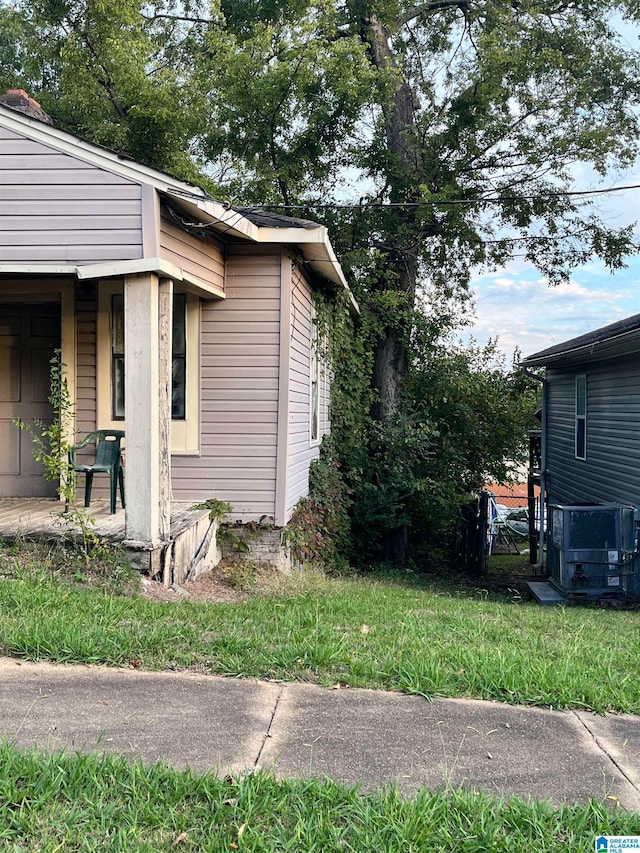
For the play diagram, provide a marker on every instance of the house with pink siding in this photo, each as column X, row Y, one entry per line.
column 182, row 321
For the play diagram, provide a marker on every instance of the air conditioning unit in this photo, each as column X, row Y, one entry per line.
column 591, row 551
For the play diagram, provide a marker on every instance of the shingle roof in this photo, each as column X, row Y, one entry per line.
column 266, row 219
column 586, row 343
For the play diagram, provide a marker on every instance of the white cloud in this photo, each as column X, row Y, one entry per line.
column 521, row 310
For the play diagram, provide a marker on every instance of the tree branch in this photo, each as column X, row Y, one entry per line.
column 416, row 11
column 189, row 20
column 103, row 80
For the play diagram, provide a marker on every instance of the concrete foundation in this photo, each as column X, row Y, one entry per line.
column 260, row 544
column 192, row 549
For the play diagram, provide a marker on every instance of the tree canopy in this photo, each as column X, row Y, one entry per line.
column 433, row 137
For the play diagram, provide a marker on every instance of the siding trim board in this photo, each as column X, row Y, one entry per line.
column 283, row 391
column 150, row 222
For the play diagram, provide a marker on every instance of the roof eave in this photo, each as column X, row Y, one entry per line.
column 193, row 199
column 615, row 346
column 315, row 245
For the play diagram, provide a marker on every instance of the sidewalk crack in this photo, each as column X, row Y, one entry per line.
column 606, row 752
column 269, row 727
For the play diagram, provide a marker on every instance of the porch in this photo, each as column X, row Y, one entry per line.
column 191, row 548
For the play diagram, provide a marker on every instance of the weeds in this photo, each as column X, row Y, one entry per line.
column 90, row 803
column 106, row 568
column 399, row 632
column 51, row 445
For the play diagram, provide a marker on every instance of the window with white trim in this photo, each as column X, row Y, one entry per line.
column 314, row 384
column 185, row 346
column 581, row 417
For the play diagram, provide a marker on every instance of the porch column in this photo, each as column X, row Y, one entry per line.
column 147, row 331
column 165, row 328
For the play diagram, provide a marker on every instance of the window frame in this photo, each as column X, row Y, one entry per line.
column 580, row 418
column 185, row 434
column 315, row 367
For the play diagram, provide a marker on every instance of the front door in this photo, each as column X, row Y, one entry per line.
column 29, row 334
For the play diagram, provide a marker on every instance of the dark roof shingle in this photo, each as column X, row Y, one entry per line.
column 588, row 341
column 266, row 219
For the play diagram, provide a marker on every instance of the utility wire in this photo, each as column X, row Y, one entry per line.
column 431, row 202
column 400, row 204
column 239, row 213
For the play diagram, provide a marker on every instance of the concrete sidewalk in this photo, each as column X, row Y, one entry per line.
column 366, row 736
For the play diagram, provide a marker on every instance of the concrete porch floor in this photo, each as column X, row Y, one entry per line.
column 191, row 550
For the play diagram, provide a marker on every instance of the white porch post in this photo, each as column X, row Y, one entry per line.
column 165, row 326
column 147, row 408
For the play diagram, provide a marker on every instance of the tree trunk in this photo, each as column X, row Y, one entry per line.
column 399, row 268
column 389, row 371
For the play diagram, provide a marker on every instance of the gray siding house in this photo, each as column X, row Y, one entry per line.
column 183, row 321
column 591, row 416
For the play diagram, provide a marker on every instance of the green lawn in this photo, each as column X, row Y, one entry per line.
column 398, row 632
column 57, row 803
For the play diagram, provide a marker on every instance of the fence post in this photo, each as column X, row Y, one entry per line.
column 482, row 531
column 533, row 533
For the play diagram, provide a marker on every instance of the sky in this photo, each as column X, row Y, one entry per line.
column 518, row 307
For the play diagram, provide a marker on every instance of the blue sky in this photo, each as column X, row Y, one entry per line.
column 516, row 305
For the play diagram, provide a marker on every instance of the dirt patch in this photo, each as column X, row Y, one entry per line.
column 229, row 581
column 234, row 580
column 215, row 586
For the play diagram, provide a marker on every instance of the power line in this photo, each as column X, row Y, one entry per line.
column 431, row 202
column 239, row 213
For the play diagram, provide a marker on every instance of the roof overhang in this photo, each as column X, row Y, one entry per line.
column 119, row 269
column 617, row 346
column 317, row 250
column 314, row 243
column 158, row 266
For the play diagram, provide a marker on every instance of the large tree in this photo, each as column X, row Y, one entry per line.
column 451, row 126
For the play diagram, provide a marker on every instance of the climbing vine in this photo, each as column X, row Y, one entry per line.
column 51, row 448
column 320, row 528
column 463, row 421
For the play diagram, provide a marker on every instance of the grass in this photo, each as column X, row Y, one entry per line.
column 400, row 632
column 56, row 803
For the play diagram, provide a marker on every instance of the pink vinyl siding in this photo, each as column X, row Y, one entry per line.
column 205, row 260
column 86, row 362
column 55, row 208
column 239, row 382
column 300, row 451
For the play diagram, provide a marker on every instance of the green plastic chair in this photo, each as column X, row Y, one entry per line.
column 108, row 460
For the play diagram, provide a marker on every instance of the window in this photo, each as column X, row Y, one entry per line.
column 178, row 357
column 581, row 417
column 185, row 380
column 314, row 385
column 117, row 357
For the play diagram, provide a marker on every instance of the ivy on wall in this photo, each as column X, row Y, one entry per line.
column 463, row 422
